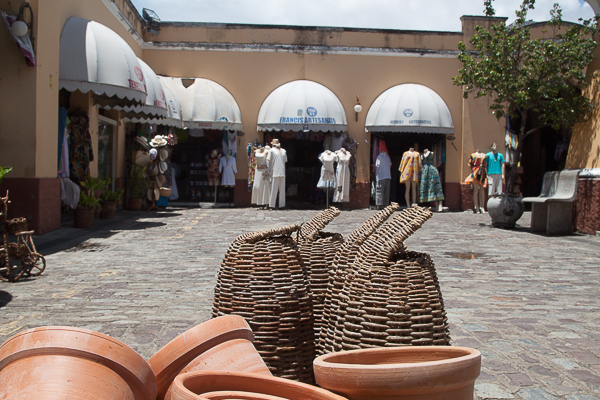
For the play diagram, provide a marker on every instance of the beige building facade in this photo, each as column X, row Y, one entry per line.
column 250, row 61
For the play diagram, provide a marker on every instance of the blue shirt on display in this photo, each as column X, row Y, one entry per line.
column 494, row 162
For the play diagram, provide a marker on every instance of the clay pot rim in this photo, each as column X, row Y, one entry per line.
column 241, row 379
column 172, row 358
column 237, row 395
column 98, row 348
column 469, row 354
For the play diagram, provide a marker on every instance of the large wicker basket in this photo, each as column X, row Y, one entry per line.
column 15, row 225
column 262, row 279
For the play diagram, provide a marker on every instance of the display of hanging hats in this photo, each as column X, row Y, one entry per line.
column 275, row 141
column 142, row 141
column 142, row 158
column 163, row 154
column 158, row 141
column 153, row 153
column 162, row 167
column 160, row 179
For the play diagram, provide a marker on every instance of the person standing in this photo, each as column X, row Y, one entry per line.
column 495, row 170
column 383, row 176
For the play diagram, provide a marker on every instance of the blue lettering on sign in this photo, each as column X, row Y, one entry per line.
column 306, row 120
column 396, row 121
column 408, row 112
column 311, row 111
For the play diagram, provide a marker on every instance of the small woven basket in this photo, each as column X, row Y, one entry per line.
column 15, row 225
column 166, row 192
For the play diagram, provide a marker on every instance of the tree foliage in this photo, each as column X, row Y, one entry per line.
column 523, row 76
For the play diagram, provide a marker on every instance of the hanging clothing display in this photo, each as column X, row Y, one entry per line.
column 251, row 149
column 342, row 192
column 81, row 152
column 230, row 142
column 261, row 189
column 227, row 169
column 213, row 168
column 410, row 166
column 477, row 165
column 352, row 146
column 431, row 187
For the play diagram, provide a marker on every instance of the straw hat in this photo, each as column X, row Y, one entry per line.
column 162, row 167
column 141, row 140
column 154, row 169
column 275, row 141
column 163, row 154
column 156, row 194
column 160, row 179
column 158, row 141
column 142, row 158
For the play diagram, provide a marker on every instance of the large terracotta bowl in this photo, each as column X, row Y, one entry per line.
column 195, row 385
column 59, row 362
column 411, row 372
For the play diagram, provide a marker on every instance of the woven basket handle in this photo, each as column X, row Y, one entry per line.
column 261, row 235
column 316, row 224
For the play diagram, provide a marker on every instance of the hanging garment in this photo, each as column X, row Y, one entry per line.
column 230, row 142
column 477, row 165
column 410, row 166
column 81, row 152
column 251, row 165
column 213, row 168
column 227, row 169
column 342, row 192
column 431, row 188
column 261, row 190
column 351, row 145
column 69, row 193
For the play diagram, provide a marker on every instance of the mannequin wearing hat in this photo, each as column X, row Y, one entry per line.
column 383, row 176
column 213, row 167
column 228, row 169
column 277, row 158
column 410, row 169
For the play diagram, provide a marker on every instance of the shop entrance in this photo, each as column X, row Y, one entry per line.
column 303, row 168
column 191, row 160
column 399, row 142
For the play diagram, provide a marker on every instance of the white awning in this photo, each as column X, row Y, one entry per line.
column 94, row 58
column 409, row 108
column 173, row 117
column 302, row 104
column 208, row 105
column 155, row 105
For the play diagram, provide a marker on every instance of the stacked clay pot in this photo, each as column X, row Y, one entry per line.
column 241, row 385
column 262, row 278
column 222, row 344
column 415, row 373
column 73, row 363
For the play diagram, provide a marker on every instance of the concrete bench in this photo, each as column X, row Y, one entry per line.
column 552, row 210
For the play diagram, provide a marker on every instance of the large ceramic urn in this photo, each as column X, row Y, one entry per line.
column 505, row 210
column 407, row 372
column 60, row 362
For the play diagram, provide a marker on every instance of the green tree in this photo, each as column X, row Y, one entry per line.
column 525, row 77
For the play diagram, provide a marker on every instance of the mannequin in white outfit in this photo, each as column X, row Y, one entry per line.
column 342, row 177
column 277, row 158
column 227, row 168
column 261, row 190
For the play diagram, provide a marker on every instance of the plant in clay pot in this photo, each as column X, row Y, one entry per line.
column 194, row 386
column 136, row 187
column 406, row 372
column 71, row 363
column 538, row 83
column 88, row 201
column 109, row 199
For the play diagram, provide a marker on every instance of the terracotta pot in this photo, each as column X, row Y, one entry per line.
column 134, row 204
column 181, row 351
column 505, row 210
column 408, row 372
column 193, row 386
column 108, row 210
column 237, row 355
column 83, row 217
column 232, row 395
column 72, row 363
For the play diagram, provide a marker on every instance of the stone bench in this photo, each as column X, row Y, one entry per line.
column 552, row 210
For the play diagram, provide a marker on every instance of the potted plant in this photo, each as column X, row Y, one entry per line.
column 109, row 199
column 4, row 171
column 136, row 187
column 537, row 83
column 88, row 201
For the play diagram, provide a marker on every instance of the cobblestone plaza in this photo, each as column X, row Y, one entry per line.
column 528, row 302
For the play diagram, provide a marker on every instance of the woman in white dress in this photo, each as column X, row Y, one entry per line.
column 342, row 177
column 227, row 169
column 261, row 189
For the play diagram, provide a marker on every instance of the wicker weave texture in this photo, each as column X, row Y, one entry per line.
column 262, row 279
column 317, row 223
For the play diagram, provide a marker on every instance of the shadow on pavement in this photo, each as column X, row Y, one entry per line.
column 5, row 298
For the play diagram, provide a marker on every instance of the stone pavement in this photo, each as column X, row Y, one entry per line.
column 528, row 302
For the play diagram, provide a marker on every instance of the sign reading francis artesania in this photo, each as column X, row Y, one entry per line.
column 310, row 119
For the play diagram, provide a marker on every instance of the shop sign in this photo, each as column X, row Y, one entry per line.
column 306, row 120
column 311, row 111
column 408, row 112
column 451, row 137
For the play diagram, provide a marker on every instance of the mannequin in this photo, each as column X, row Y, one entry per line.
column 228, row 168
column 478, row 180
column 327, row 179
column 213, row 168
column 342, row 192
column 409, row 168
column 261, row 190
column 277, row 158
column 431, row 187
column 494, row 166
column 383, row 176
